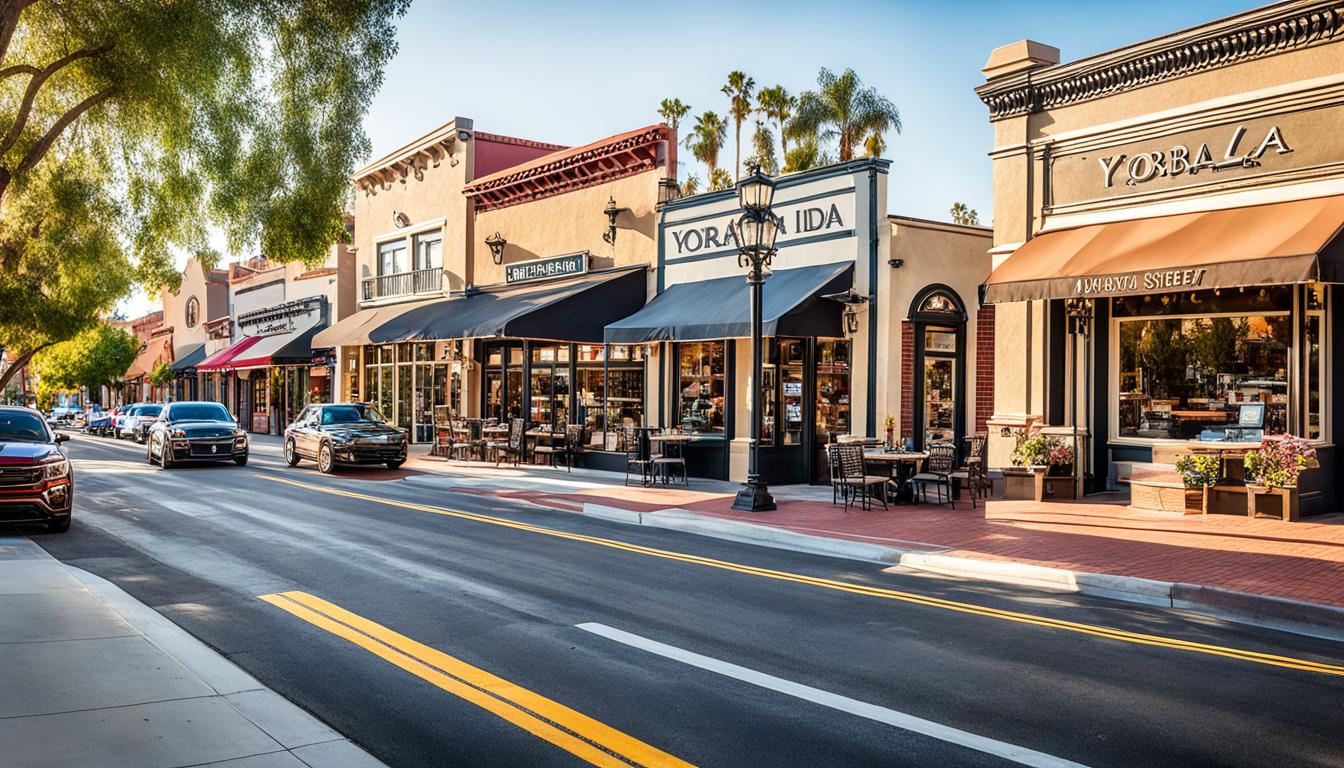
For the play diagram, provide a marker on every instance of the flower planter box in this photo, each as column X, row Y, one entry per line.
column 1059, row 489
column 1023, row 483
column 1197, row 500
column 1273, row 502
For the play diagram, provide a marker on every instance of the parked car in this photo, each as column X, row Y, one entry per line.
column 37, row 483
column 195, row 431
column 98, row 422
column 137, row 424
column 121, row 415
column 344, row 434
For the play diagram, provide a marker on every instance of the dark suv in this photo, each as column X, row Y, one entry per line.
column 195, row 431
column 37, row 483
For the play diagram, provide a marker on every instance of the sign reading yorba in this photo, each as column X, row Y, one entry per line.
column 1141, row 167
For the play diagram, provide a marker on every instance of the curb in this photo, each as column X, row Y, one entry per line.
column 1295, row 616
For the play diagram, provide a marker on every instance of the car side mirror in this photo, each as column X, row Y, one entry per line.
column 61, row 437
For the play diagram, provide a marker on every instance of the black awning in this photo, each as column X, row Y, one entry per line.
column 573, row 310
column 721, row 308
column 189, row 359
column 298, row 350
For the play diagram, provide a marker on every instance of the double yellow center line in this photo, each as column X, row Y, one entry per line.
column 574, row 732
column 1138, row 638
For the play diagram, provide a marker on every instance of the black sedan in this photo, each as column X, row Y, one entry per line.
column 194, row 431
column 345, row 433
column 37, row 483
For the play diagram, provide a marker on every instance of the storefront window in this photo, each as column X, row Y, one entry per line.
column 504, row 382
column 832, row 387
column 700, row 386
column 1187, row 377
column 612, row 394
column 549, row 388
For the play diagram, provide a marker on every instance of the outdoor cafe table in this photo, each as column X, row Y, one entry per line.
column 902, row 465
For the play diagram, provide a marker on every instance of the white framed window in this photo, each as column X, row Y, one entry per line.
column 429, row 250
column 392, row 257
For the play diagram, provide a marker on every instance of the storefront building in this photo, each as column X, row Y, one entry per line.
column 202, row 296
column 154, row 349
column 867, row 316
column 269, row 369
column 489, row 267
column 1167, row 242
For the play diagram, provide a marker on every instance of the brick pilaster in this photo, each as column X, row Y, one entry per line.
column 984, row 366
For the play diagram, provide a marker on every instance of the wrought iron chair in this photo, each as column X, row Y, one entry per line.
column 513, row 446
column 974, row 475
column 636, row 454
column 938, row 471
column 546, row 446
column 857, row 481
column 669, row 460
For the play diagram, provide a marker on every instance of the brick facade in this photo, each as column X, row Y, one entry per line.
column 984, row 366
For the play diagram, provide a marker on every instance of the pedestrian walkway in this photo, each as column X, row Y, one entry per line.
column 90, row 677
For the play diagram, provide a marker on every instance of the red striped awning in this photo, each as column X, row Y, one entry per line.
column 225, row 357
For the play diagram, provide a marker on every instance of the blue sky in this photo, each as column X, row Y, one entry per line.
column 572, row 73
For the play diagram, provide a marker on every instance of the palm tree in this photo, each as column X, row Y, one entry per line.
column 690, row 186
column 719, row 179
column 739, row 90
column 706, row 139
column 843, row 109
column 805, row 155
column 763, row 150
column 961, row 214
column 672, row 110
column 874, row 145
column 777, row 104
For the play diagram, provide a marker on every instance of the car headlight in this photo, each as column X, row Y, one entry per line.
column 179, row 433
column 341, row 439
column 56, row 469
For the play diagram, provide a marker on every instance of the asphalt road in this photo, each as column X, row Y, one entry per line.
column 444, row 628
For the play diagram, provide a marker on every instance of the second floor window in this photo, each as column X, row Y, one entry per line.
column 392, row 257
column 429, row 251
column 193, row 312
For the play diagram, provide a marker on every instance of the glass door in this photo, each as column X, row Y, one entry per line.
column 939, row 400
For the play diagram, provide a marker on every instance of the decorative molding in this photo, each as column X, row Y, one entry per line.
column 617, row 157
column 1245, row 37
column 412, row 160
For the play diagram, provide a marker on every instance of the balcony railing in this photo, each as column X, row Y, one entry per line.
column 403, row 284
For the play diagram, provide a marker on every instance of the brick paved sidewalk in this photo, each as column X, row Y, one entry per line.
column 1300, row 561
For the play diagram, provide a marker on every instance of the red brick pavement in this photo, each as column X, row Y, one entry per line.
column 1302, row 561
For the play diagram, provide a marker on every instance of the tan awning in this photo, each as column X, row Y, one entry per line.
column 155, row 352
column 1269, row 244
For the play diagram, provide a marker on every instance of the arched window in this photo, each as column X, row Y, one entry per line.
column 193, row 312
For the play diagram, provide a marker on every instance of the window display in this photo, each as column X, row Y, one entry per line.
column 832, row 387
column 700, row 386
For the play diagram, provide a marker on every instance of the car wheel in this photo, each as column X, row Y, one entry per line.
column 58, row 526
column 165, row 455
column 240, row 460
column 291, row 454
column 395, row 464
column 326, row 459
column 149, row 454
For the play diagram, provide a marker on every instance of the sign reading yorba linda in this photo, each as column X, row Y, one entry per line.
column 1136, row 282
column 829, row 216
column 541, row 269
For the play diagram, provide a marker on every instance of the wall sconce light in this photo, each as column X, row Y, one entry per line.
column 896, row 263
column 668, row 191
column 852, row 300
column 400, row 220
column 612, row 212
column 496, row 244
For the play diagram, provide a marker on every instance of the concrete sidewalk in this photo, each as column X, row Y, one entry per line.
column 92, row 677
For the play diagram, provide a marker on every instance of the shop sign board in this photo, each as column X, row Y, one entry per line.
column 1248, row 151
column 1159, row 280
column 569, row 265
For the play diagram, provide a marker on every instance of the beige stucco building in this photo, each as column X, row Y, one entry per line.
column 1166, row 241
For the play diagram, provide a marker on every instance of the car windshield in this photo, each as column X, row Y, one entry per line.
column 198, row 412
column 149, row 410
column 342, row 414
column 23, row 427
column 369, row 413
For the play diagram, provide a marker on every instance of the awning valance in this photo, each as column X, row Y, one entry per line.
column 720, row 308
column 189, row 358
column 1271, row 244
column 155, row 351
column 293, row 348
column 354, row 330
column 222, row 359
column 571, row 310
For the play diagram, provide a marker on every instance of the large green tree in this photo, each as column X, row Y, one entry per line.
column 739, row 90
column 845, row 110
column 169, row 117
column 94, row 358
column 706, row 140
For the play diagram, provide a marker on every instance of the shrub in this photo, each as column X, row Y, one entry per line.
column 1199, row 470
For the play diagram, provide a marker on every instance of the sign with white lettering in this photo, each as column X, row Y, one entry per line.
column 1180, row 159
column 1156, row 280
column 544, row 269
column 717, row 235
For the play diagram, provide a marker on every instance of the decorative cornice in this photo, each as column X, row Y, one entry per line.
column 1237, row 39
column 415, row 158
column 565, row 171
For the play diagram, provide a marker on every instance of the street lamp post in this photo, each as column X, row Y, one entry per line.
column 755, row 231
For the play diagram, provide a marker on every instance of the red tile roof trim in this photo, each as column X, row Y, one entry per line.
column 612, row 158
column 498, row 139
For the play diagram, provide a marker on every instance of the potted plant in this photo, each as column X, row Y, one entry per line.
column 1199, row 473
column 1058, row 458
column 890, row 424
column 1272, row 471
